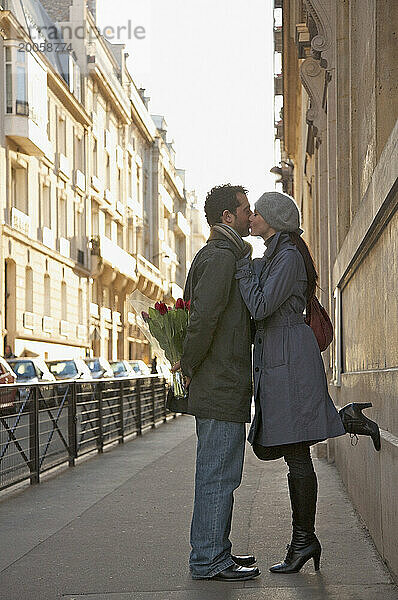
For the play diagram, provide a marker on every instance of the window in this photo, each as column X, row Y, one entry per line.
column 62, row 218
column 120, row 235
column 107, row 172
column 46, row 206
column 108, row 226
column 78, row 153
column 95, row 291
column 94, row 219
column 120, row 185
column 62, row 135
column 130, row 236
column 95, row 158
column 49, row 119
column 105, row 298
column 79, row 228
column 138, row 184
column 80, row 305
column 76, row 81
column 16, row 81
column 28, row 289
column 19, row 187
column 8, row 80
column 47, row 295
column 21, row 104
column 64, row 302
column 129, row 177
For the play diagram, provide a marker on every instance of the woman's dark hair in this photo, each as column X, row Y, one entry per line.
column 312, row 275
column 220, row 198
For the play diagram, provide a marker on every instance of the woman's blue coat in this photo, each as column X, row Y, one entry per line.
column 291, row 394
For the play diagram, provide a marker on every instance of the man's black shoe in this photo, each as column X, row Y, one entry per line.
column 244, row 561
column 237, row 573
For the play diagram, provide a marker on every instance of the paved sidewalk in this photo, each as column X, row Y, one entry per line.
column 117, row 526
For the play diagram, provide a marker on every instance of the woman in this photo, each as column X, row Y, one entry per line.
column 293, row 406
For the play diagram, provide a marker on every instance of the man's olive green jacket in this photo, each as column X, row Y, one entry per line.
column 217, row 347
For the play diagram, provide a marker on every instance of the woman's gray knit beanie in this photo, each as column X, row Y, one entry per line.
column 280, row 211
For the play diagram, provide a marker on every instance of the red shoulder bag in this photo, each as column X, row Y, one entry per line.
column 319, row 321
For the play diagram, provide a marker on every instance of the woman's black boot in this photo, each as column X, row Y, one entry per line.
column 304, row 544
column 356, row 423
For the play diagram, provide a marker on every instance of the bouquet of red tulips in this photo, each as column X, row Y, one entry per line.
column 167, row 325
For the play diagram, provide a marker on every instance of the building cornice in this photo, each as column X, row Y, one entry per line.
column 57, row 85
column 101, row 79
column 35, row 245
column 313, row 79
column 322, row 44
column 141, row 116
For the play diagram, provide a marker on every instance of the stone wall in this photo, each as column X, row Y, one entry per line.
column 341, row 132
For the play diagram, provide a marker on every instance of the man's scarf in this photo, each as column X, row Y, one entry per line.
column 231, row 234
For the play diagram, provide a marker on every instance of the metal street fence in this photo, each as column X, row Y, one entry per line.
column 44, row 426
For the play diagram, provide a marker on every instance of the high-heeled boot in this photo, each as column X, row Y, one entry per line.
column 304, row 544
column 356, row 423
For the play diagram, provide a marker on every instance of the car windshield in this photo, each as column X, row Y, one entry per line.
column 63, row 368
column 118, row 367
column 94, row 365
column 24, row 370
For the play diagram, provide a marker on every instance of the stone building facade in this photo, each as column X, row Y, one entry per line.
column 338, row 131
column 92, row 204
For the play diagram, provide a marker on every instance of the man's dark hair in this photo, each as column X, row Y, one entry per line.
column 220, row 198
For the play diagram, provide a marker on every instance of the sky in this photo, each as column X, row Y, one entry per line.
column 207, row 66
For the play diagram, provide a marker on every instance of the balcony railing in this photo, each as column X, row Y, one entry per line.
column 166, row 198
column 29, row 320
column 81, row 331
column 96, row 183
column 106, row 313
column 94, row 310
column 135, row 207
column 64, row 247
column 48, row 237
column 183, row 224
column 80, row 180
column 116, row 257
column 63, row 165
column 148, row 270
column 20, row 221
column 48, row 324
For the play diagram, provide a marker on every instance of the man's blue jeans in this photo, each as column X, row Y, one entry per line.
column 219, row 465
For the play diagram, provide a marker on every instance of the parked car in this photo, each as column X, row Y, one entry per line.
column 7, row 375
column 71, row 368
column 122, row 368
column 139, row 367
column 32, row 370
column 99, row 367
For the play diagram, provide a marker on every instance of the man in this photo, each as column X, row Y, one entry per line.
column 8, row 353
column 216, row 362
